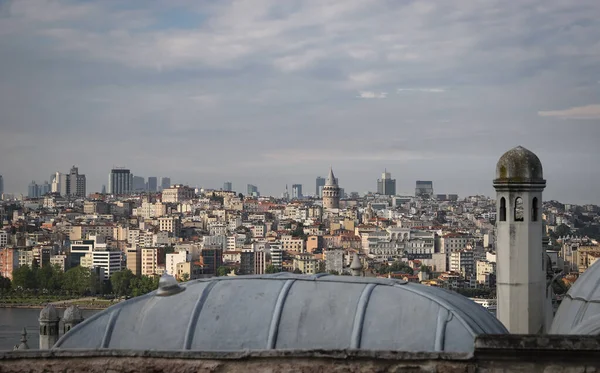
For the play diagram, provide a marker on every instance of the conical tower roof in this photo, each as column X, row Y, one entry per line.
column 331, row 181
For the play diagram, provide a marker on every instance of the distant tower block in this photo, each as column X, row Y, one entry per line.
column 71, row 317
column 521, row 273
column 48, row 327
column 331, row 192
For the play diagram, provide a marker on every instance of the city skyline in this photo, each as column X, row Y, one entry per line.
column 404, row 186
column 430, row 91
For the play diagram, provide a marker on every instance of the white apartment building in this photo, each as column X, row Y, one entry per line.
column 170, row 224
column 150, row 210
column 109, row 261
column 173, row 259
column 177, row 193
column 149, row 261
column 485, row 269
column 462, row 262
column 289, row 243
column 277, row 257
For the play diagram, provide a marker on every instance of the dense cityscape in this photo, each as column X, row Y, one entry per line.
column 61, row 241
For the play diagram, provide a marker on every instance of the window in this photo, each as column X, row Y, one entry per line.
column 519, row 209
column 534, row 209
column 502, row 209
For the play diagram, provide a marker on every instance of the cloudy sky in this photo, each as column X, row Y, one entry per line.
column 271, row 92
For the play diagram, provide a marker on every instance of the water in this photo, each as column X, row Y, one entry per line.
column 12, row 321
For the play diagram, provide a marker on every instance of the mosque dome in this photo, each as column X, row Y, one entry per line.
column 286, row 311
column 49, row 313
column 519, row 165
column 579, row 312
column 72, row 314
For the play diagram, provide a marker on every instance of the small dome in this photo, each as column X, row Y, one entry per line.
column 519, row 165
column 72, row 314
column 49, row 313
column 579, row 311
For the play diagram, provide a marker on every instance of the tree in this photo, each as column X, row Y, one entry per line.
column 81, row 281
column 562, row 230
column 24, row 277
column 297, row 271
column 121, row 282
column 5, row 283
column 222, row 271
column 271, row 269
column 241, row 196
column 185, row 277
column 334, row 272
column 48, row 278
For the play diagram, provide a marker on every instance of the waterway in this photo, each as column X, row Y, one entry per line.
column 13, row 320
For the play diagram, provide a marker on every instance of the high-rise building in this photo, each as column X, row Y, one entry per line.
column 386, row 185
column 1, row 185
column 253, row 190
column 297, row 191
column 524, row 306
column 33, row 190
column 152, row 184
column 320, row 183
column 59, row 183
column 331, row 192
column 165, row 182
column 76, row 183
column 227, row 186
column 424, row 189
column 139, row 184
column 120, row 181
column 44, row 188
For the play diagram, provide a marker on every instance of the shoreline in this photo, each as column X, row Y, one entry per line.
column 57, row 306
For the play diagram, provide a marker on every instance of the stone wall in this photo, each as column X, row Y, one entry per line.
column 493, row 354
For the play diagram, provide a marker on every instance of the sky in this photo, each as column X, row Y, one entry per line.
column 273, row 92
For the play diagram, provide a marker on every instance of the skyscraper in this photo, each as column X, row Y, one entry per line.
column 227, row 186
column 33, row 190
column 165, row 182
column 120, row 181
column 59, row 183
column 139, row 184
column 319, row 185
column 152, row 183
column 253, row 190
column 76, row 183
column 297, row 191
column 1, row 185
column 386, row 185
column 424, row 189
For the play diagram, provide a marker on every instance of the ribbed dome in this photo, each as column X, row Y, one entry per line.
column 285, row 311
column 579, row 312
column 519, row 165
column 49, row 313
column 72, row 314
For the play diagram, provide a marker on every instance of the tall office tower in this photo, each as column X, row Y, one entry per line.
column 524, row 303
column 44, row 188
column 139, row 184
column 75, row 183
column 424, row 189
column 319, row 187
column 165, row 183
column 59, row 184
column 253, row 190
column 103, row 189
column 331, row 192
column 296, row 191
column 1, row 185
column 227, row 186
column 33, row 190
column 152, row 184
column 119, row 181
column 386, row 185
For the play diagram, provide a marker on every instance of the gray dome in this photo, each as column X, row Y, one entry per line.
column 49, row 313
column 72, row 314
column 579, row 312
column 285, row 311
column 519, row 165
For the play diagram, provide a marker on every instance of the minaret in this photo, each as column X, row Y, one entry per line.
column 48, row 327
column 71, row 317
column 521, row 272
column 331, row 192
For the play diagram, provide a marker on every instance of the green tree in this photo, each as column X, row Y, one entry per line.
column 185, row 277
column 5, row 283
column 297, row 271
column 80, row 281
column 271, row 269
column 222, row 271
column 24, row 277
column 334, row 272
column 143, row 284
column 121, row 282
column 562, row 230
